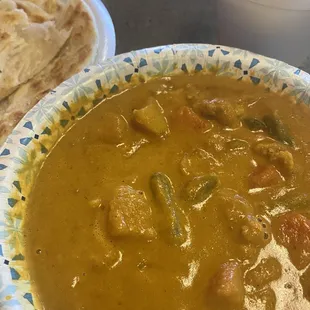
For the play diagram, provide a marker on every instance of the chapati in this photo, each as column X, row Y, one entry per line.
column 42, row 44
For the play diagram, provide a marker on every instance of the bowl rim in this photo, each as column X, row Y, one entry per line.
column 29, row 143
column 105, row 45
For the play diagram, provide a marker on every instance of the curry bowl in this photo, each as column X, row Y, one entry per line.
column 34, row 137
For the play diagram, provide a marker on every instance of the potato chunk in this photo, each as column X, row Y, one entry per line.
column 200, row 188
column 198, row 162
column 266, row 298
column 256, row 231
column 292, row 230
column 130, row 214
column 219, row 109
column 226, row 286
column 268, row 270
column 112, row 129
column 276, row 153
column 151, row 118
column 235, row 208
column 217, row 143
column 248, row 229
column 108, row 254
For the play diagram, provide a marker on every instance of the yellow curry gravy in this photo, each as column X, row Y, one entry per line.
column 184, row 193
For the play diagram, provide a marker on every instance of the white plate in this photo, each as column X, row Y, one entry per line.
column 105, row 47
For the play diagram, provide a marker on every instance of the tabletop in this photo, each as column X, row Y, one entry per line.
column 146, row 23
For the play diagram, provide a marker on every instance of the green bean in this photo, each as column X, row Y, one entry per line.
column 200, row 188
column 254, row 124
column 164, row 194
column 277, row 130
column 162, row 188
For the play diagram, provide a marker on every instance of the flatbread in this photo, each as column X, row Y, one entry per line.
column 30, row 39
column 70, row 58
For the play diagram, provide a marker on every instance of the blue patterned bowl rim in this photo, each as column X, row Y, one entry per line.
column 29, row 143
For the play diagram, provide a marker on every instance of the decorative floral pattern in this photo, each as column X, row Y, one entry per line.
column 11, row 231
column 30, row 142
column 6, row 294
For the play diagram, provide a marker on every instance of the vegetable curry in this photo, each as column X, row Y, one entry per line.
column 187, row 192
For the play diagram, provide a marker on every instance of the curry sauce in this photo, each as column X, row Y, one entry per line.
column 187, row 192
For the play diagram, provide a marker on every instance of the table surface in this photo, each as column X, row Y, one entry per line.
column 146, row 23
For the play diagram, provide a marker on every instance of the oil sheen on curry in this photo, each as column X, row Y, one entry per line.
column 187, row 192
